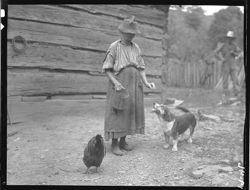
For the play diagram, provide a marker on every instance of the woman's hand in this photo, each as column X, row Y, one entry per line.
column 150, row 85
column 118, row 85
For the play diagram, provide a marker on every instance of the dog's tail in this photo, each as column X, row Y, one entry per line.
column 182, row 109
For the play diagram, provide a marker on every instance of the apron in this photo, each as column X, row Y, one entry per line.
column 130, row 119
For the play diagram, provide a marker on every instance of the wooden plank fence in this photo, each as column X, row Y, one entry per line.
column 190, row 74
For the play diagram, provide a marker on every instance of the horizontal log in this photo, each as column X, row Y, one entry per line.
column 38, row 82
column 27, row 82
column 144, row 14
column 75, row 37
column 34, row 99
column 73, row 18
column 55, row 57
column 65, row 58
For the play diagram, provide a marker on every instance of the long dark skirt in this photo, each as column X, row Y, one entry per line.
column 131, row 119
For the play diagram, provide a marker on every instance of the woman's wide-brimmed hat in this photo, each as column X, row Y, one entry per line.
column 129, row 26
column 230, row 34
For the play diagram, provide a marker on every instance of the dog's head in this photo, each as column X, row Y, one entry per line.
column 162, row 111
column 158, row 108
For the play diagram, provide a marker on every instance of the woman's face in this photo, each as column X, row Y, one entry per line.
column 127, row 36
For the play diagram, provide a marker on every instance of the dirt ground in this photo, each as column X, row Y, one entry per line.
column 45, row 146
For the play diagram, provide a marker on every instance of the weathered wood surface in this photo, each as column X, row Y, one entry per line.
column 39, row 82
column 66, row 58
column 26, row 82
column 143, row 14
column 190, row 74
column 66, row 45
column 78, row 38
column 52, row 14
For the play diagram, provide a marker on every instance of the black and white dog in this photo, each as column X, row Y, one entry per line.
column 174, row 126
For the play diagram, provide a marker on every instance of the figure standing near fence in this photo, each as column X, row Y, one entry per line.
column 228, row 52
column 209, row 61
column 124, row 66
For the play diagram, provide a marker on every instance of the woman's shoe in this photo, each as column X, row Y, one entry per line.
column 123, row 145
column 115, row 148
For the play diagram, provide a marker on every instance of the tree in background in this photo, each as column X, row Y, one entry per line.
column 193, row 35
column 194, row 17
column 188, row 33
column 225, row 20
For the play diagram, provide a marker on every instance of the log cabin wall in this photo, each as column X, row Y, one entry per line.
column 66, row 45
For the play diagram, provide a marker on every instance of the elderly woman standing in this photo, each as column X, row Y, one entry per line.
column 124, row 66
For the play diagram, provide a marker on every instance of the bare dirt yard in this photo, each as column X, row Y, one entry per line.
column 45, row 145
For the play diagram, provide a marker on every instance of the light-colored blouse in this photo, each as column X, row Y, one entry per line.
column 119, row 56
